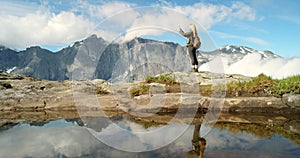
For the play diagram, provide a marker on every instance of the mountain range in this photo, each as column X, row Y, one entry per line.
column 94, row 57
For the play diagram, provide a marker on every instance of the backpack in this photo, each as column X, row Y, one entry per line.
column 197, row 42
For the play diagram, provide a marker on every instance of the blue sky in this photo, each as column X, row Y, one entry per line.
column 260, row 24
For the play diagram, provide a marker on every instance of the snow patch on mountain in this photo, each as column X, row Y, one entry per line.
column 11, row 69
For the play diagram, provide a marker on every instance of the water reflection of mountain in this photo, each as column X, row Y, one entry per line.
column 70, row 140
column 233, row 136
column 96, row 123
column 262, row 126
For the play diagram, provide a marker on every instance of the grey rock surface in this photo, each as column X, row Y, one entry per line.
column 292, row 100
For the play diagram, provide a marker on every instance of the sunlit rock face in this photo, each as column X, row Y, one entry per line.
column 139, row 58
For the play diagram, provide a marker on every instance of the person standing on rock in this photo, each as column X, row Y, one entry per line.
column 193, row 43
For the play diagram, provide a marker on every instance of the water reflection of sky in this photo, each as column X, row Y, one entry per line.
column 61, row 122
column 120, row 134
column 61, row 138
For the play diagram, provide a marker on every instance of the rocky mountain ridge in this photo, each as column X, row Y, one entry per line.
column 94, row 57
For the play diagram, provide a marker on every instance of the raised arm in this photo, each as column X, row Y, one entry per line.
column 185, row 34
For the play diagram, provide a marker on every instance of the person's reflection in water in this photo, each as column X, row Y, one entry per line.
column 199, row 144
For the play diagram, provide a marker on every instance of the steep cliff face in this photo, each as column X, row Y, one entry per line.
column 80, row 60
column 140, row 58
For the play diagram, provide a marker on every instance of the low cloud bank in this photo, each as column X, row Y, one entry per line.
column 253, row 64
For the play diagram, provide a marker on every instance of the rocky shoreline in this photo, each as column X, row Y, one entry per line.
column 23, row 93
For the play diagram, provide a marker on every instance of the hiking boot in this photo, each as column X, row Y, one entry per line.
column 194, row 70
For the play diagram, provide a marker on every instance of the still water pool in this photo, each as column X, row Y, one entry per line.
column 75, row 138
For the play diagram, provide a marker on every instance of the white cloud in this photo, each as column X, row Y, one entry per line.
column 254, row 64
column 155, row 22
column 208, row 14
column 204, row 14
column 38, row 25
column 42, row 28
column 122, row 13
column 242, row 11
column 107, row 35
column 113, row 8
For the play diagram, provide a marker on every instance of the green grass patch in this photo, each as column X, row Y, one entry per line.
column 167, row 79
column 140, row 90
column 287, row 85
column 206, row 90
column 164, row 79
column 264, row 85
column 260, row 86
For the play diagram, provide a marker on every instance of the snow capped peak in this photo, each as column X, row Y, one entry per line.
column 232, row 49
column 235, row 53
column 229, row 49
